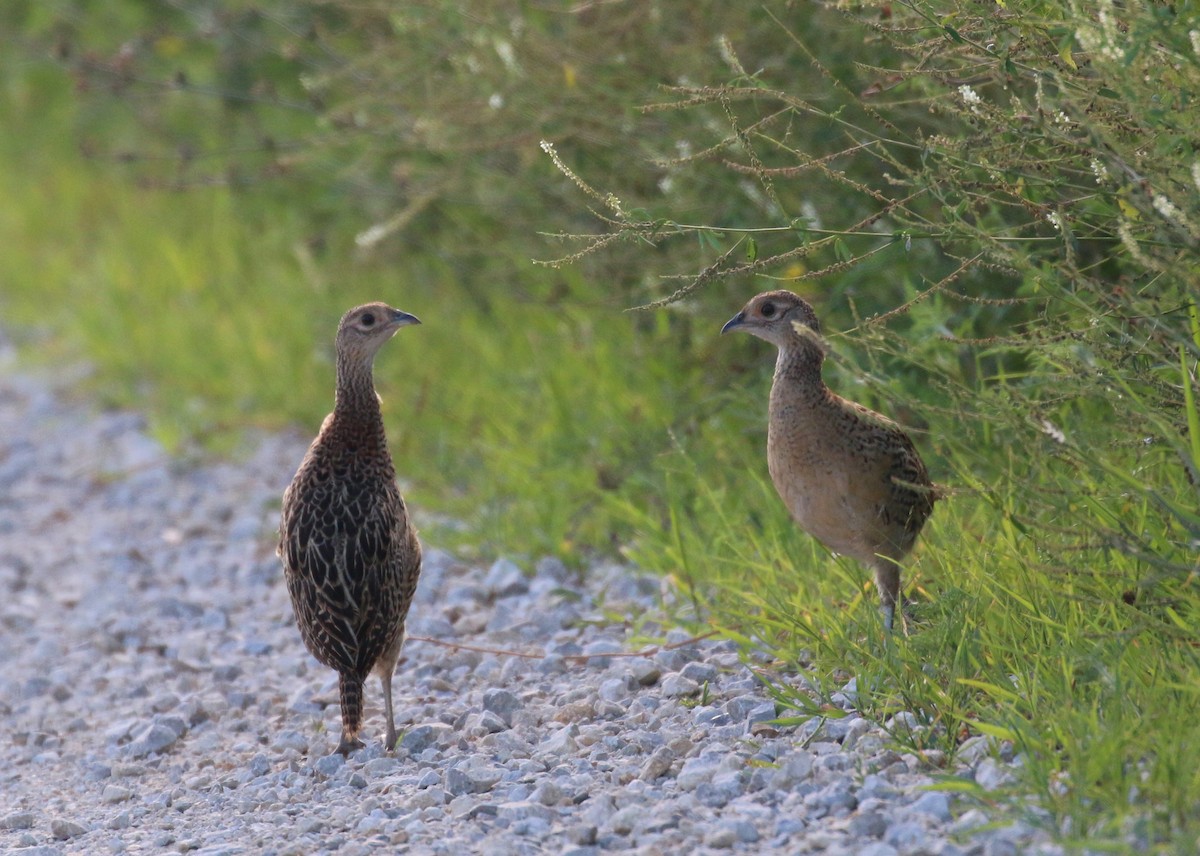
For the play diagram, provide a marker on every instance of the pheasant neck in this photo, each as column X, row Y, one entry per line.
column 356, row 405
column 798, row 372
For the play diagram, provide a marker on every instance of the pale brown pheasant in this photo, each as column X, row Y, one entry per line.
column 350, row 553
column 850, row 477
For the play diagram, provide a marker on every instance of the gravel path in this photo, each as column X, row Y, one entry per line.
column 156, row 697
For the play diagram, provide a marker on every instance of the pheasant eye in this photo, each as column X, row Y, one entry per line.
column 768, row 310
column 368, row 320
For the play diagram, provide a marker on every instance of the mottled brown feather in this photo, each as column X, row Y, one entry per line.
column 350, row 554
column 850, row 477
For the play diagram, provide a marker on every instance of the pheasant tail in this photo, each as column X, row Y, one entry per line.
column 350, row 690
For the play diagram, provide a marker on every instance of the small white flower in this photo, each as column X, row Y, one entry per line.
column 1055, row 220
column 1132, row 247
column 728, row 54
column 1170, row 211
column 970, row 98
column 1100, row 171
column 1053, row 431
column 1088, row 39
column 496, row 101
column 1062, row 118
column 1166, row 208
column 507, row 54
column 810, row 214
column 1105, row 39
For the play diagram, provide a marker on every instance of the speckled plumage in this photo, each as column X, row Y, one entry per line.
column 350, row 553
column 850, row 477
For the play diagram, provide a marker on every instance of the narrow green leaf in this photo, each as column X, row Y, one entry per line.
column 991, row 689
column 1189, row 406
column 1064, row 51
column 1179, row 620
column 955, row 786
column 997, row 731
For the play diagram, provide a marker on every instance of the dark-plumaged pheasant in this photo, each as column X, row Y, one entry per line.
column 350, row 553
column 850, row 477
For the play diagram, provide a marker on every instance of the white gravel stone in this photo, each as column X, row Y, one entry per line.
column 991, row 775
column 856, row 729
column 17, row 820
column 868, row 824
column 696, row 771
column 658, row 764
column 936, row 805
column 62, row 829
column 645, row 671
column 115, row 794
column 721, row 838
column 877, row 848
column 475, row 779
column 701, row 673
column 504, row 579
column 427, row 798
column 561, row 742
column 676, row 685
column 330, row 765
column 847, row 697
column 975, row 749
column 502, row 703
column 150, row 739
column 968, row 821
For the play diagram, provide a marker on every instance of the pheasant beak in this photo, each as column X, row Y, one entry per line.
column 403, row 319
column 734, row 323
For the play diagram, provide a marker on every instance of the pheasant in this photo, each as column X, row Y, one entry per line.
column 850, row 477
column 350, row 553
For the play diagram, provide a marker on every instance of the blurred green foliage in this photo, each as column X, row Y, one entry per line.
column 998, row 207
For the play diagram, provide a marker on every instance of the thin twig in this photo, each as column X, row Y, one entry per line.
column 937, row 286
column 704, row 276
